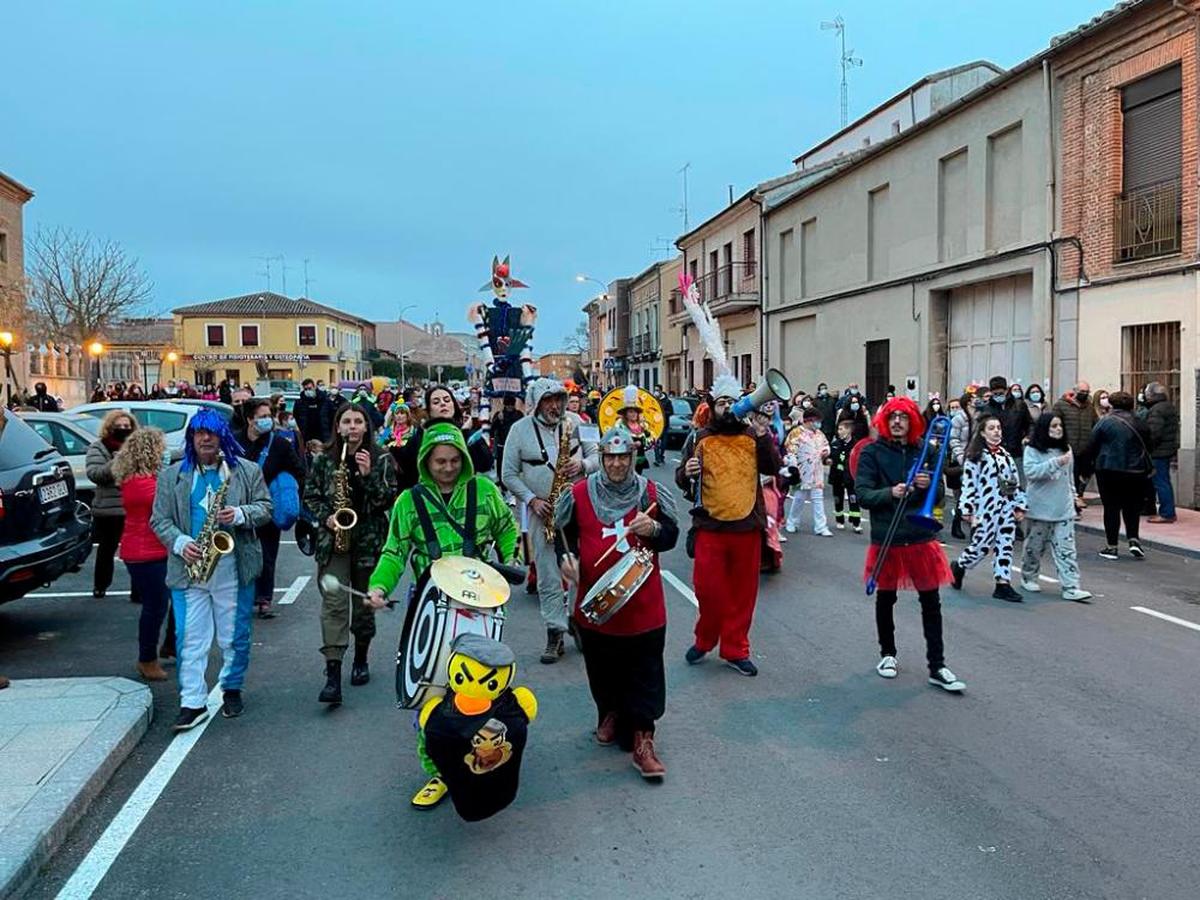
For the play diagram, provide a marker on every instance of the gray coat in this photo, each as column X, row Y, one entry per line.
column 172, row 517
column 98, row 464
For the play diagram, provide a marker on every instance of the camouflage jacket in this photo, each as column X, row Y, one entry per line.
column 374, row 497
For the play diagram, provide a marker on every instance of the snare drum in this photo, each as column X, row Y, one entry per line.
column 431, row 624
column 616, row 586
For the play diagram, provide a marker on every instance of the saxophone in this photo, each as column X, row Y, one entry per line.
column 344, row 516
column 560, row 479
column 213, row 541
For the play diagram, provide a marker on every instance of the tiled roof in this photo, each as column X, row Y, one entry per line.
column 1097, row 21
column 263, row 303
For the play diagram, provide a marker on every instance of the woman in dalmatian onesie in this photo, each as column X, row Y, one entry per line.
column 992, row 503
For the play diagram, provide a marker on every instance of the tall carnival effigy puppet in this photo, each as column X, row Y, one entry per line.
column 505, row 334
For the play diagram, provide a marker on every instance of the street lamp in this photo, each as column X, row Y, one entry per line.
column 403, row 383
column 581, row 278
column 6, row 342
column 96, row 349
column 172, row 357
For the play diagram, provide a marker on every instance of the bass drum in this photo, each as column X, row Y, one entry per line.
column 431, row 624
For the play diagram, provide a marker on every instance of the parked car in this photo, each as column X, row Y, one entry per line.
column 44, row 530
column 171, row 417
column 679, row 423
column 223, row 408
column 69, row 434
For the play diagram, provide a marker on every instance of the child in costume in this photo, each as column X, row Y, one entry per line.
column 398, row 425
column 805, row 452
column 631, row 414
column 475, row 735
column 840, row 478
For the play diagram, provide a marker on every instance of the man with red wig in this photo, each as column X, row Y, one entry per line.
column 914, row 560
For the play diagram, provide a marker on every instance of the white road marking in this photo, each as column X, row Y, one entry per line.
column 681, row 587
column 104, row 852
column 1041, row 577
column 108, row 593
column 1153, row 612
column 293, row 592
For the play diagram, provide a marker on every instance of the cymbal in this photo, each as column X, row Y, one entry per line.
column 471, row 582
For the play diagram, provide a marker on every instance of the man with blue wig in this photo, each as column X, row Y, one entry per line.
column 211, row 490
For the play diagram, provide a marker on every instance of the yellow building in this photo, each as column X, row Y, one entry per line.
column 270, row 336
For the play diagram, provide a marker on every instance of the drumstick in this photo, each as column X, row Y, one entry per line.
column 604, row 555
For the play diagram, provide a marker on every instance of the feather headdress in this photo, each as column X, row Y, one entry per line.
column 724, row 384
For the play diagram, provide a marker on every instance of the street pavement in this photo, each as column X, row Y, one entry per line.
column 1066, row 769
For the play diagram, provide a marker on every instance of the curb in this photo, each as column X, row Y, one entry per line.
column 1148, row 543
column 49, row 817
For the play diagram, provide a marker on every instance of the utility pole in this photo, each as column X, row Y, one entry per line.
column 848, row 61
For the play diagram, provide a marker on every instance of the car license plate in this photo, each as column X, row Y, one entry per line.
column 51, row 492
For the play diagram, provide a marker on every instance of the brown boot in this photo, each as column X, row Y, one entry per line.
column 644, row 758
column 554, row 646
column 606, row 731
column 151, row 671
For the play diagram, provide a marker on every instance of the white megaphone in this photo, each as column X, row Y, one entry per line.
column 774, row 387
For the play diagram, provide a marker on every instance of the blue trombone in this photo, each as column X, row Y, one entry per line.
column 937, row 440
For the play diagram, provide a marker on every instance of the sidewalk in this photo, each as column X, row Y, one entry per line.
column 1183, row 537
column 61, row 739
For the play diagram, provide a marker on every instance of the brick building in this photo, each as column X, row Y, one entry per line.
column 13, row 197
column 1125, row 94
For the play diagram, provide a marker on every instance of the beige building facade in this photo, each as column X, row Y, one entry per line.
column 721, row 256
column 921, row 262
column 13, row 197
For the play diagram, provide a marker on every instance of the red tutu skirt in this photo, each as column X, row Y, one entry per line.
column 918, row 567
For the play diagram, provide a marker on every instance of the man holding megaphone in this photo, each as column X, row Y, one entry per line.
column 722, row 470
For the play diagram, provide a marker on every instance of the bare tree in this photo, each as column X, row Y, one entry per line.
column 79, row 284
column 577, row 340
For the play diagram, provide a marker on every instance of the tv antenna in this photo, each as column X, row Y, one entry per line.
column 661, row 247
column 684, row 209
column 307, row 280
column 848, row 62
column 266, row 261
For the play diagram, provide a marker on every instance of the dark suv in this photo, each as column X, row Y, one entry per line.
column 44, row 532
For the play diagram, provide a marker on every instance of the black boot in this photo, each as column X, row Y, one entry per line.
column 359, row 673
column 956, row 530
column 332, row 692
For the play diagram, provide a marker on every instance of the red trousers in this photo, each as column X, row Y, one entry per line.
column 725, row 576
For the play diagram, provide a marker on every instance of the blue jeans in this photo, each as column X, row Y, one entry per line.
column 149, row 580
column 1162, row 486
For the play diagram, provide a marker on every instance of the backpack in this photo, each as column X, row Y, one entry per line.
column 285, row 493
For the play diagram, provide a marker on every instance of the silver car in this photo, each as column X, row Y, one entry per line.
column 171, row 418
column 70, row 434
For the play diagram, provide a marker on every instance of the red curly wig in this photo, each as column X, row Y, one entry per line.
column 916, row 421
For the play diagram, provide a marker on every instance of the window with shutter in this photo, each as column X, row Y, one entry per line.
column 1147, row 215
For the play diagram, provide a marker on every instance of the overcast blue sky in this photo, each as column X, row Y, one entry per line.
column 399, row 146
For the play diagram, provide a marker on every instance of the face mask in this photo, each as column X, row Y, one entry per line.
column 822, row 392
column 1104, row 403
column 854, row 407
column 1016, row 395
column 121, row 433
column 263, row 423
column 1035, row 396
column 1081, row 396
column 937, row 407
column 310, row 393
column 807, row 404
column 1141, row 398
column 854, row 392
column 998, row 399
column 981, row 403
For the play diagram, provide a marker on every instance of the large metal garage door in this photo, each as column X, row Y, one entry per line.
column 989, row 331
column 798, row 352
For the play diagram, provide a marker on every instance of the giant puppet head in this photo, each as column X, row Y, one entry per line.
column 502, row 281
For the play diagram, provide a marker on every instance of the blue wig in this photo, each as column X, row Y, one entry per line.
column 210, row 420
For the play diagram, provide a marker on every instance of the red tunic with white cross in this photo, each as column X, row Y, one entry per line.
column 647, row 609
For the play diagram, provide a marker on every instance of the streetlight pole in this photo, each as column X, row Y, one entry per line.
column 403, row 382
column 95, row 348
column 6, row 342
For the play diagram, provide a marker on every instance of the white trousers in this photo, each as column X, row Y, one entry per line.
column 800, row 496
column 218, row 609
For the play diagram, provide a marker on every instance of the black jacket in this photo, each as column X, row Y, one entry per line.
column 314, row 417
column 882, row 464
column 1015, row 424
column 1120, row 442
column 1163, row 422
column 281, row 458
column 43, row 402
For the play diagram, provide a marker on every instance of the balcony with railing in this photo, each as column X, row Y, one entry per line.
column 1147, row 222
column 731, row 288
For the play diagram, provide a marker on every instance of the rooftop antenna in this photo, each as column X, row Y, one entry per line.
column 284, row 268
column 661, row 247
column 849, row 61
column 307, row 280
column 266, row 261
column 684, row 209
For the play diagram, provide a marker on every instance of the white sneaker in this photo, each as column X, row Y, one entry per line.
column 858, row 529
column 790, row 528
column 824, row 532
column 887, row 667
column 783, row 539
column 946, row 680
column 1030, row 587
column 841, row 526
column 1077, row 594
